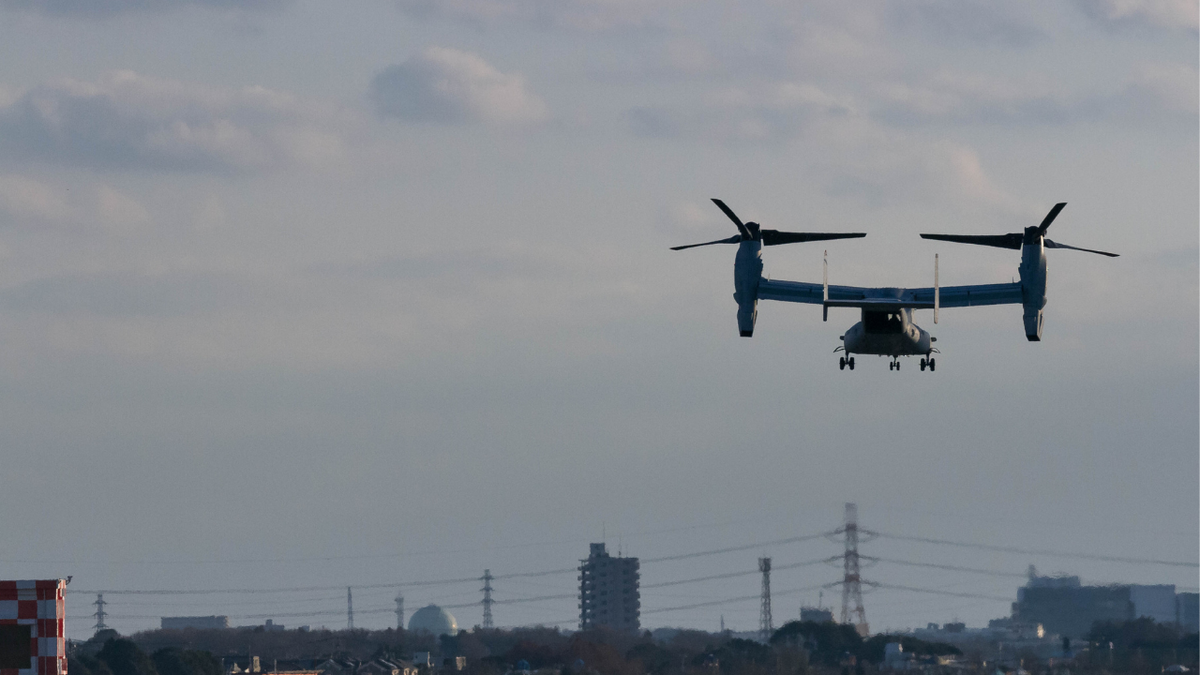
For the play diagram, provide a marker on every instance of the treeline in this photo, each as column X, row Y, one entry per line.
column 797, row 648
column 119, row 656
column 1139, row 646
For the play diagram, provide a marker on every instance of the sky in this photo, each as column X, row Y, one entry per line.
column 307, row 295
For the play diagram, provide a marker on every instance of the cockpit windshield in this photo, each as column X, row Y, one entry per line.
column 883, row 322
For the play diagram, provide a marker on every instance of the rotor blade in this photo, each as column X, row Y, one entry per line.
column 775, row 237
column 1050, row 217
column 733, row 216
column 1011, row 240
column 735, row 239
column 1055, row 244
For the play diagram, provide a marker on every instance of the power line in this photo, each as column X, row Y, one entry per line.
column 543, row 573
column 446, row 582
column 932, row 591
column 1045, row 552
column 952, row 568
column 731, row 575
column 727, row 601
column 731, row 549
column 366, row 556
column 292, row 589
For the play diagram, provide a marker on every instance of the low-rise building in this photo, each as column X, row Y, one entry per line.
column 196, row 622
column 816, row 614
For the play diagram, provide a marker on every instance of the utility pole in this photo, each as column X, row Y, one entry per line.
column 487, row 598
column 852, row 603
column 399, row 611
column 100, row 613
column 349, row 609
column 764, row 617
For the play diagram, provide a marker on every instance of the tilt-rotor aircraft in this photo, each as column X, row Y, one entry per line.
column 887, row 327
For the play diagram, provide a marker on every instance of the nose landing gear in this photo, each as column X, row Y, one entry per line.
column 843, row 362
column 895, row 364
column 930, row 363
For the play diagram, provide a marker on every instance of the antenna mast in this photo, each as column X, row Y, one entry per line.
column 399, row 611
column 349, row 609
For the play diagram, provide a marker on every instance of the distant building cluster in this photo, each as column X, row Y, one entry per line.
column 608, row 592
column 1064, row 606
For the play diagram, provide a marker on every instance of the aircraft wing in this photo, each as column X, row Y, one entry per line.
column 812, row 294
column 889, row 298
column 970, row 296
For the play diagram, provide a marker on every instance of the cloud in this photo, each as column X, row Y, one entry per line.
column 118, row 211
column 108, row 8
column 29, row 203
column 950, row 96
column 763, row 112
column 126, row 120
column 450, row 86
column 1168, row 14
column 881, row 168
column 1155, row 92
column 1161, row 88
column 127, row 294
column 651, row 122
column 23, row 198
column 587, row 15
column 973, row 22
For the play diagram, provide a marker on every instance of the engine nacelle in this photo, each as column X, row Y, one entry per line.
column 1033, row 284
column 747, row 271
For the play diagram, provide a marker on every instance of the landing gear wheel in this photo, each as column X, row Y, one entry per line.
column 850, row 362
column 842, row 363
column 931, row 364
column 892, row 365
column 922, row 365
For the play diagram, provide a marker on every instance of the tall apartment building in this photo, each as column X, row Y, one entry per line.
column 608, row 592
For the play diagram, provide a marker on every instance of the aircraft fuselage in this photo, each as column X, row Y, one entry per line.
column 887, row 333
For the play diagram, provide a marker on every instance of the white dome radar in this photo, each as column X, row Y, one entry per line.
column 433, row 619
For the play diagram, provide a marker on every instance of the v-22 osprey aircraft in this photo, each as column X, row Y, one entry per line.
column 887, row 327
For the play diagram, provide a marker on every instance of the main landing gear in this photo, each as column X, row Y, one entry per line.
column 928, row 363
column 894, row 365
column 843, row 362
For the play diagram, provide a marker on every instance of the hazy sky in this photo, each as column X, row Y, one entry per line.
column 309, row 294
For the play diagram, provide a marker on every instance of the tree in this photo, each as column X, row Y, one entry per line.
column 873, row 648
column 123, row 657
column 87, row 665
column 172, row 661
column 826, row 642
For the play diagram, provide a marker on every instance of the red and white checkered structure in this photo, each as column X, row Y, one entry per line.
column 39, row 605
